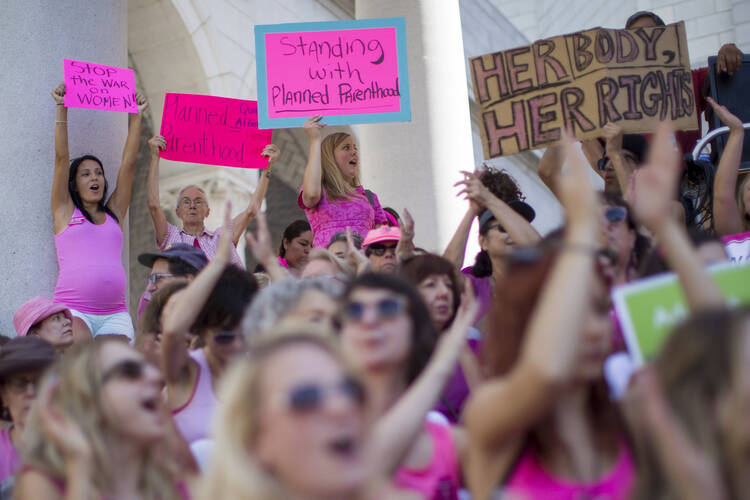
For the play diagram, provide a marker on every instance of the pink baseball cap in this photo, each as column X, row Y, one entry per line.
column 36, row 310
column 381, row 234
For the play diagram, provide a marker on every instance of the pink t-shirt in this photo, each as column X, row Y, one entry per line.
column 738, row 247
column 330, row 217
column 207, row 240
column 440, row 480
column 531, row 480
column 9, row 460
column 193, row 419
column 91, row 279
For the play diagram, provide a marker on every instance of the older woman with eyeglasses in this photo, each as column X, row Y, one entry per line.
column 22, row 361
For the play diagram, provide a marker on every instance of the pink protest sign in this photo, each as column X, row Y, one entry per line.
column 213, row 131
column 95, row 86
column 337, row 69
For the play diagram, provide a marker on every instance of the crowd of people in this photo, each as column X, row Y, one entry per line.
column 352, row 364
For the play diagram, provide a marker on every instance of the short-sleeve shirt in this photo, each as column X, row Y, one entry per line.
column 208, row 241
column 330, row 217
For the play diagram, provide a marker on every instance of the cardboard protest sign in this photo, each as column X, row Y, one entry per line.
column 213, row 131
column 348, row 71
column 95, row 86
column 648, row 309
column 581, row 81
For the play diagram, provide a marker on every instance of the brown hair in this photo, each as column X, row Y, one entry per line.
column 743, row 210
column 150, row 322
column 334, row 183
column 418, row 268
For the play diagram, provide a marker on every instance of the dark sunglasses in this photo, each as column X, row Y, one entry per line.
column 129, row 369
column 225, row 337
column 616, row 214
column 310, row 397
column 601, row 163
column 379, row 250
column 384, row 309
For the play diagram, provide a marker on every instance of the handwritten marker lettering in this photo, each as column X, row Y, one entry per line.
column 95, row 86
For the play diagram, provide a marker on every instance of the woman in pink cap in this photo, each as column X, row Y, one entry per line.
column 48, row 320
column 331, row 195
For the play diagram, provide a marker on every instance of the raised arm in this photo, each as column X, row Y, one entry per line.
column 312, row 180
column 155, row 144
column 396, row 430
column 655, row 183
column 519, row 229
column 120, row 199
column 550, row 167
column 183, row 308
column 456, row 249
column 262, row 249
column 61, row 204
column 727, row 217
column 405, row 246
column 613, row 135
column 242, row 220
column 548, row 354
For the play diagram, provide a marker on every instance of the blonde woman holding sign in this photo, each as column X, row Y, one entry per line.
column 331, row 195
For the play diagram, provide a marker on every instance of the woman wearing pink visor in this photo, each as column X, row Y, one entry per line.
column 49, row 320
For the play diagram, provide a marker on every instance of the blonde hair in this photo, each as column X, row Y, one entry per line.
column 339, row 264
column 233, row 473
column 79, row 397
column 336, row 186
column 743, row 210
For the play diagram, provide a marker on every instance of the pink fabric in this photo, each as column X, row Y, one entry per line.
column 440, row 480
column 737, row 247
column 194, row 418
column 482, row 291
column 207, row 240
column 9, row 459
column 35, row 311
column 91, row 279
column 330, row 217
column 530, row 479
column 457, row 391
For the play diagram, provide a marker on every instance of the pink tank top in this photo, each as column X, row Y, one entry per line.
column 194, row 418
column 530, row 479
column 440, row 479
column 91, row 278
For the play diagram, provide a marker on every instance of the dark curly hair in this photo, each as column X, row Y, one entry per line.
column 501, row 184
column 226, row 305
column 424, row 336
column 419, row 267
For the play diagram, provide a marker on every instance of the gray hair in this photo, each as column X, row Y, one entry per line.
column 179, row 195
column 275, row 301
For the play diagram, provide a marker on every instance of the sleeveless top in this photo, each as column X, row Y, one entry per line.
column 193, row 419
column 91, row 278
column 330, row 217
column 440, row 479
column 531, row 479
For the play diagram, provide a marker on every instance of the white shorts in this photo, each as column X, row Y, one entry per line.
column 107, row 324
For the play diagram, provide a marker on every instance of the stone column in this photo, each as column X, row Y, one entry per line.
column 35, row 36
column 415, row 164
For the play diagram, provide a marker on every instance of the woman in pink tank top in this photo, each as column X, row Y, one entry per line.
column 88, row 230
column 211, row 307
column 387, row 333
column 544, row 426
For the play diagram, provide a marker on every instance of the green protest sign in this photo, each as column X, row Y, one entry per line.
column 648, row 309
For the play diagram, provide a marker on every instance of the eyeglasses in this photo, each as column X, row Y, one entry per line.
column 380, row 250
column 19, row 385
column 224, row 337
column 310, row 397
column 616, row 214
column 156, row 277
column 128, row 369
column 187, row 202
column 384, row 309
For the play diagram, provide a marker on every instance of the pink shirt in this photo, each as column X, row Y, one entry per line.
column 440, row 479
column 91, row 279
column 193, row 419
column 8, row 456
column 531, row 479
column 207, row 240
column 330, row 217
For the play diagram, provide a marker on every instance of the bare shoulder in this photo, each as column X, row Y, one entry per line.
column 32, row 484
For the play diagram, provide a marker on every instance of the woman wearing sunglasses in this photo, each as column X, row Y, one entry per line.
column 388, row 334
column 210, row 307
column 620, row 234
column 97, row 430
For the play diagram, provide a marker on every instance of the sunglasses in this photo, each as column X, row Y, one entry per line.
column 224, row 338
column 384, row 309
column 310, row 397
column 616, row 214
column 129, row 369
column 380, row 250
column 156, row 277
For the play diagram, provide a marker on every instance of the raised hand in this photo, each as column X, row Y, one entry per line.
column 613, row 136
column 224, row 249
column 354, row 257
column 156, row 144
column 59, row 94
column 142, row 102
column 729, row 59
column 272, row 152
column 575, row 191
column 313, row 127
column 59, row 428
column 726, row 116
column 474, row 190
column 260, row 244
column 407, row 225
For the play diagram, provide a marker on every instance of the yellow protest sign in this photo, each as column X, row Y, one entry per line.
column 581, row 81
